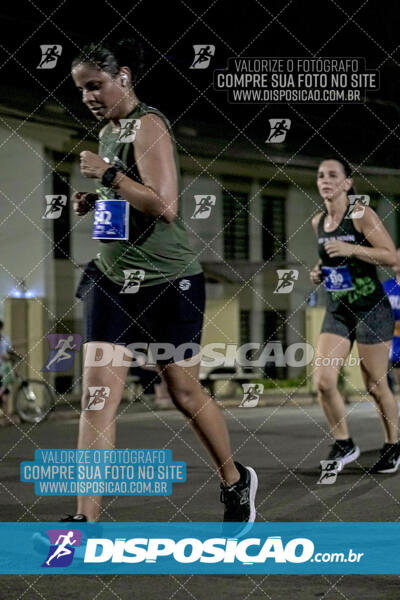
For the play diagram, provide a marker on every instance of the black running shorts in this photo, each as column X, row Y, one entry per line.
column 168, row 313
column 372, row 326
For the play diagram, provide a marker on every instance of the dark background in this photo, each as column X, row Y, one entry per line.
column 365, row 134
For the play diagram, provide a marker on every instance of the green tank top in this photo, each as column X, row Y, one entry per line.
column 159, row 248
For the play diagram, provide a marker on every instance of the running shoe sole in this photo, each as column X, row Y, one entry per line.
column 348, row 458
column 252, row 496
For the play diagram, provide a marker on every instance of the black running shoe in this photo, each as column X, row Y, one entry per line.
column 388, row 461
column 344, row 451
column 74, row 518
column 239, row 502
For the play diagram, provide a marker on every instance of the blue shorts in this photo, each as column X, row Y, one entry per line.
column 168, row 313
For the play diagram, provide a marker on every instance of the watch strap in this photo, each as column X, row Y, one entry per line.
column 109, row 176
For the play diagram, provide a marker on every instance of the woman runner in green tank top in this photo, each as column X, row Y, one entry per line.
column 136, row 171
column 159, row 246
column 352, row 241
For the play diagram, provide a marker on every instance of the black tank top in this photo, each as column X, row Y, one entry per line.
column 368, row 290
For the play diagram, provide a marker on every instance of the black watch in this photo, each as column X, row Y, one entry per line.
column 109, row 176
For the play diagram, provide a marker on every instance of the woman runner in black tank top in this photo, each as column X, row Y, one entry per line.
column 352, row 241
column 367, row 290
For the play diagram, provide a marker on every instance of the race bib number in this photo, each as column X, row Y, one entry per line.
column 111, row 220
column 337, row 279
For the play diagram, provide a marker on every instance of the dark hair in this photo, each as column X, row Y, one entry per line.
column 348, row 171
column 111, row 55
column 1, row 324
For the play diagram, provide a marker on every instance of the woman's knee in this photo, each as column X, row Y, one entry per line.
column 187, row 396
column 376, row 386
column 326, row 383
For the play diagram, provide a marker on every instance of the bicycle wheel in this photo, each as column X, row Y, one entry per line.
column 33, row 400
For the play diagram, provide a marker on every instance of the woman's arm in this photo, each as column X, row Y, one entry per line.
column 383, row 251
column 158, row 195
column 154, row 154
column 316, row 273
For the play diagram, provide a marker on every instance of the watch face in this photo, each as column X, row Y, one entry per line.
column 108, row 176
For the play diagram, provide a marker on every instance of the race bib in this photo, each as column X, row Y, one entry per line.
column 111, row 220
column 337, row 279
column 395, row 349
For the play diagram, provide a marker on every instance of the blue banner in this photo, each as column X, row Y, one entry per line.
column 112, row 472
column 199, row 548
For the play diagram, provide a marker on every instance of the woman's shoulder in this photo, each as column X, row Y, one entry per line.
column 363, row 216
column 316, row 219
column 152, row 114
column 154, row 127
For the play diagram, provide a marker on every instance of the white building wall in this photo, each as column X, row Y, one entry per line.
column 83, row 247
column 257, row 284
column 205, row 235
column 302, row 254
column 22, row 190
column 388, row 213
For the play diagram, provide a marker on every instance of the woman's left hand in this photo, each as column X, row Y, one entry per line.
column 92, row 165
column 336, row 248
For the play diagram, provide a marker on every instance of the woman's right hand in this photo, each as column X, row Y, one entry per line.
column 316, row 274
column 83, row 202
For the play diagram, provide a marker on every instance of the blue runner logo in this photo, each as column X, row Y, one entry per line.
column 62, row 547
column 62, row 348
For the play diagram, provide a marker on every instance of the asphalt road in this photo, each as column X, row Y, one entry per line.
column 283, row 444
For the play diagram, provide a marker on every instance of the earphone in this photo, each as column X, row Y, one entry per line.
column 124, row 79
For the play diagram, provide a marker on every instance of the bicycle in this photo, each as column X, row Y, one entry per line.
column 32, row 399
